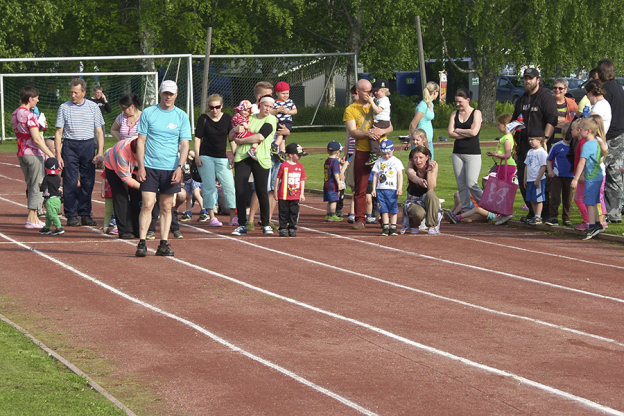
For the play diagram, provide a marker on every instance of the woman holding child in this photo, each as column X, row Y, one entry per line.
column 422, row 201
column 464, row 126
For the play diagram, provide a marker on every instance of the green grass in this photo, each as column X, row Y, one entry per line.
column 33, row 383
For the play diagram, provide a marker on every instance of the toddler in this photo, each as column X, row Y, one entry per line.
column 332, row 185
column 381, row 115
column 561, row 173
column 289, row 190
column 535, row 178
column 387, row 186
column 52, row 194
column 284, row 108
column 243, row 111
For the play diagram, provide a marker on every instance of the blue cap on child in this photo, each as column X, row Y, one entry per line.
column 386, row 146
column 334, row 146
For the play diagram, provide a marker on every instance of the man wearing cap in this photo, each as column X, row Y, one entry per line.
column 358, row 118
column 163, row 130
column 76, row 121
column 539, row 110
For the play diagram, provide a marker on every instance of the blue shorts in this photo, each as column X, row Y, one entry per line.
column 534, row 194
column 330, row 196
column 191, row 185
column 287, row 124
column 591, row 196
column 387, row 201
column 157, row 180
column 275, row 167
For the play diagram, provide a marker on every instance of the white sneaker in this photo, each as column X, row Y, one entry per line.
column 503, row 219
column 267, row 230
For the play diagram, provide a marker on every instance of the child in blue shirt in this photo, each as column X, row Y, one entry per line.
column 332, row 185
column 561, row 173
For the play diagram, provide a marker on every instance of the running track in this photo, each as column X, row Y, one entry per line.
column 479, row 320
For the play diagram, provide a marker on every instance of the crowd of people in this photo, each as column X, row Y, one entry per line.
column 558, row 152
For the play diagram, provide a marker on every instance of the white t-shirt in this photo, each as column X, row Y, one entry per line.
column 389, row 171
column 535, row 159
column 384, row 103
column 603, row 109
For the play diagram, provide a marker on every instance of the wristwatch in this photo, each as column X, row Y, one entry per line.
column 180, row 166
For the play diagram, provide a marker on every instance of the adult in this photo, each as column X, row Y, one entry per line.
column 31, row 149
column 211, row 139
column 600, row 106
column 539, row 110
column 615, row 141
column 566, row 109
column 422, row 201
column 424, row 113
column 358, row 119
column 464, row 126
column 126, row 123
column 163, row 130
column 263, row 125
column 593, row 74
column 76, row 122
column 119, row 163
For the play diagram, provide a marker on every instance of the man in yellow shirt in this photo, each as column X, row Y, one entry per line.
column 358, row 118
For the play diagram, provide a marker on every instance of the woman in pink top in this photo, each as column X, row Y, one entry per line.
column 125, row 125
column 31, row 149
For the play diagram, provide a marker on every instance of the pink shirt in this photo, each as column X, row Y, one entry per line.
column 23, row 120
column 125, row 131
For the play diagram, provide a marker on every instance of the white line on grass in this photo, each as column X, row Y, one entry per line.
column 197, row 328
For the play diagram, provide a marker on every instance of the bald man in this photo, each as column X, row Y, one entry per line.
column 358, row 119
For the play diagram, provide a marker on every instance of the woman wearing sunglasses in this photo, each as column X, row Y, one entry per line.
column 211, row 139
column 566, row 108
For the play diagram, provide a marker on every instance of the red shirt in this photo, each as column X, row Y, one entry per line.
column 290, row 183
column 107, row 189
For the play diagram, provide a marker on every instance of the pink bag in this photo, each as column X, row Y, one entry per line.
column 498, row 196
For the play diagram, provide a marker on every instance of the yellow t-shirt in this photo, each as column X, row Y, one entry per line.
column 357, row 112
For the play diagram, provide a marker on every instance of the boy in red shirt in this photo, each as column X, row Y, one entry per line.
column 289, row 188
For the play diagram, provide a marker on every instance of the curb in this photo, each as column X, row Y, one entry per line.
column 565, row 230
column 70, row 366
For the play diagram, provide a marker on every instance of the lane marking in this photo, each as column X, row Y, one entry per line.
column 198, row 328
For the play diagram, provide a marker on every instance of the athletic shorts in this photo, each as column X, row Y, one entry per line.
column 387, row 201
column 330, row 196
column 534, row 194
column 591, row 196
column 159, row 180
column 191, row 185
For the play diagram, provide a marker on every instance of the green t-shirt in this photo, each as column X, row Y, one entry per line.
column 263, row 151
column 500, row 150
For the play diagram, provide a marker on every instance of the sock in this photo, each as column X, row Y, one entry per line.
column 203, row 211
column 386, row 226
column 538, row 215
column 190, row 213
column 392, row 225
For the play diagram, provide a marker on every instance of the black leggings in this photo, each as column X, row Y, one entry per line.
column 243, row 169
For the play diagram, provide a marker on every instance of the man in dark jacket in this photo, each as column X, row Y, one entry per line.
column 539, row 110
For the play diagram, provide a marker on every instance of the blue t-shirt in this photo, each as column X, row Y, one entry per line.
column 591, row 154
column 332, row 166
column 558, row 155
column 164, row 131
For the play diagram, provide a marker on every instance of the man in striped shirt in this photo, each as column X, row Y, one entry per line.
column 77, row 121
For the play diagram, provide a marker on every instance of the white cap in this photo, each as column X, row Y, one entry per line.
column 169, row 86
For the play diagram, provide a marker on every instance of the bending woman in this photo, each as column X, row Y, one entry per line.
column 422, row 201
column 464, row 126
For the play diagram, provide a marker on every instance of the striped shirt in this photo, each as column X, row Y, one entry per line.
column 125, row 131
column 79, row 121
column 121, row 160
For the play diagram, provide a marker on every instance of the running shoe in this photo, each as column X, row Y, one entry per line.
column 164, row 250
column 187, row 216
column 45, row 230
column 292, row 232
column 451, row 217
column 502, row 219
column 177, row 234
column 553, row 222
column 252, row 154
column 582, row 226
column 283, row 233
column 592, row 231
column 86, row 220
column 371, row 220
column 151, row 235
column 141, row 250
column 535, row 221
column 393, row 231
column 385, row 232
column 333, row 218
column 351, row 218
column 73, row 222
column 266, row 230
column 58, row 231
column 240, row 230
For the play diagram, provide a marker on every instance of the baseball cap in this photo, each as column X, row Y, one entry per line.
column 295, row 149
column 380, row 83
column 169, row 86
column 386, row 146
column 334, row 146
column 531, row 73
column 52, row 166
column 282, row 86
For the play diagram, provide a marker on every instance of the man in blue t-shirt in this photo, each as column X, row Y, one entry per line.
column 163, row 130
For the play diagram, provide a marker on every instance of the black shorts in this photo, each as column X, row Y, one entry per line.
column 287, row 124
column 159, row 181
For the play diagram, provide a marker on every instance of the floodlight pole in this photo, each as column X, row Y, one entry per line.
column 421, row 55
column 204, row 96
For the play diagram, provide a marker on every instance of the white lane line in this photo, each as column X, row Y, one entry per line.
column 422, row 292
column 10, row 164
column 198, row 328
column 469, row 266
column 520, row 379
column 12, row 179
column 535, row 251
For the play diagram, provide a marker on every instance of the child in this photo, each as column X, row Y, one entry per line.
column 289, row 190
column 381, row 115
column 284, row 108
column 343, row 170
column 578, row 143
column 50, row 188
column 193, row 188
column 107, row 194
column 535, row 178
column 333, row 183
column 243, row 111
column 561, row 174
column 503, row 156
column 387, row 186
column 589, row 166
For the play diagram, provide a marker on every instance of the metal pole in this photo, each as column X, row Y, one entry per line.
column 421, row 55
column 2, row 104
column 191, row 98
column 204, row 91
column 321, row 97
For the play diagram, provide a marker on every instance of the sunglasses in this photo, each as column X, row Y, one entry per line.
column 214, row 107
column 558, row 88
